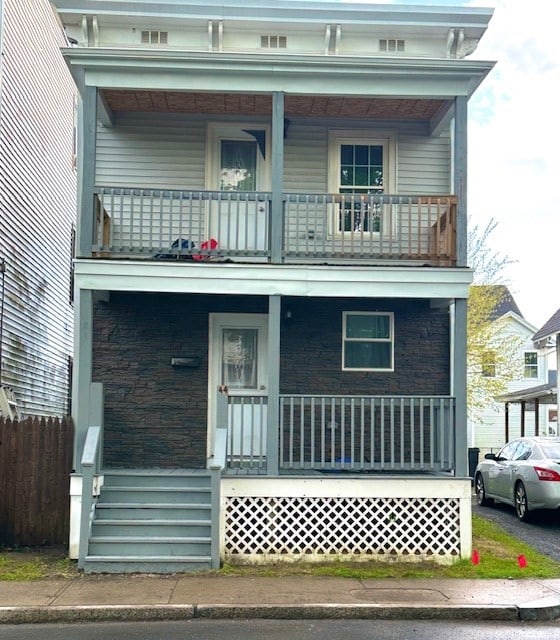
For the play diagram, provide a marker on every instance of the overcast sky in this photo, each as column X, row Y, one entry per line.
column 514, row 162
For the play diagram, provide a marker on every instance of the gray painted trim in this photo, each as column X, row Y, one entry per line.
column 277, row 213
column 459, row 391
column 323, row 75
column 273, row 413
column 88, row 143
column 460, row 177
column 83, row 309
column 297, row 280
column 215, row 493
column 288, row 11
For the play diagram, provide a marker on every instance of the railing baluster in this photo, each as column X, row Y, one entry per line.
column 401, row 409
column 382, row 438
column 422, row 461
column 412, row 410
column 291, row 456
column 312, row 426
column 333, row 429
column 302, row 432
column 432, row 434
column 323, row 432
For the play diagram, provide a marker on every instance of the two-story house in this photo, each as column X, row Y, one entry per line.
column 37, row 211
column 271, row 281
column 529, row 368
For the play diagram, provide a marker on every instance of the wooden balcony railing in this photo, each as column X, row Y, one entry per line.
column 346, row 433
column 171, row 224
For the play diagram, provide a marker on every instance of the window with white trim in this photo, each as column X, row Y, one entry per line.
column 361, row 166
column 531, row 368
column 367, row 341
column 488, row 364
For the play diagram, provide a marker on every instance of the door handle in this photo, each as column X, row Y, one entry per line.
column 262, row 387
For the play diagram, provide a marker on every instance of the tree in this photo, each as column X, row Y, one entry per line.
column 492, row 351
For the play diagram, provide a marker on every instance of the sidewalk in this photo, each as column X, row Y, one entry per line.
column 149, row 597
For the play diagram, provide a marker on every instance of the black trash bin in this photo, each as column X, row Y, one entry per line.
column 473, row 460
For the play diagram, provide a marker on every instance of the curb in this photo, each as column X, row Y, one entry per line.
column 541, row 610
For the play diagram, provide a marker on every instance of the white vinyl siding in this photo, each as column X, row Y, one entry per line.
column 162, row 152
column 37, row 207
column 423, row 165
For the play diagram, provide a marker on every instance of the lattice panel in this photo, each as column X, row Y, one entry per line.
column 342, row 526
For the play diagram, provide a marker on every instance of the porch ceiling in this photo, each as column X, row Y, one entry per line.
column 257, row 104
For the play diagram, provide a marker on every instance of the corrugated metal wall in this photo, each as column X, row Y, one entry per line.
column 37, row 206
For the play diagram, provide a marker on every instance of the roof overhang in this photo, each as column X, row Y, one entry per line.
column 545, row 393
column 429, row 283
column 321, row 76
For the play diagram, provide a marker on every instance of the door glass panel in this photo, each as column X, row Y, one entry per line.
column 239, row 358
column 238, row 165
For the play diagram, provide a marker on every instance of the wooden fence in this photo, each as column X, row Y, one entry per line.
column 35, row 466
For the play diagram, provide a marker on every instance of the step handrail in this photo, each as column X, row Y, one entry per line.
column 89, row 465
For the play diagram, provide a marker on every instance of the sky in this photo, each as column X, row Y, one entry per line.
column 514, row 139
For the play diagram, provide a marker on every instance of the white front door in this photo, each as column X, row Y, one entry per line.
column 238, row 360
column 238, row 164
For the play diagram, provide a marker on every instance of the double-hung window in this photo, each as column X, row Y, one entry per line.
column 488, row 364
column 360, row 169
column 368, row 341
column 531, row 364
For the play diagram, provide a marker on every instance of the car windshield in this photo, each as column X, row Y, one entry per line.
column 551, row 451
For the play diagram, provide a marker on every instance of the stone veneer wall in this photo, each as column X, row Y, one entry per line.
column 156, row 414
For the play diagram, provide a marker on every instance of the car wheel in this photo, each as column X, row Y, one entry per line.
column 521, row 503
column 480, row 490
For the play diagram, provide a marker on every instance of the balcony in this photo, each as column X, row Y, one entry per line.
column 182, row 225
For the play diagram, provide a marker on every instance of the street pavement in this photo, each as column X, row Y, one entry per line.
column 185, row 596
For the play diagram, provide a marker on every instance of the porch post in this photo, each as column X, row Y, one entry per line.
column 273, row 412
column 459, row 388
column 81, row 382
column 460, row 177
column 86, row 171
column 277, row 207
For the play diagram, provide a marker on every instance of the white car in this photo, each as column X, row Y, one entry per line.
column 525, row 473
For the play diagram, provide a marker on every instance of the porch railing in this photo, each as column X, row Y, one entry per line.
column 334, row 433
column 176, row 224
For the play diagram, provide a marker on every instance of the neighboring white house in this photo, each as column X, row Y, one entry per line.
column 487, row 430
column 37, row 208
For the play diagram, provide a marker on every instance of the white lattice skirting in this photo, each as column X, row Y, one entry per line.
column 265, row 520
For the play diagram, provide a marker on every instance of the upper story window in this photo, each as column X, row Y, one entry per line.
column 274, row 42
column 531, row 364
column 488, row 364
column 154, row 37
column 360, row 166
column 367, row 343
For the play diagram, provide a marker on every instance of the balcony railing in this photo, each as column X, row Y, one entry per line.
column 346, row 433
column 172, row 224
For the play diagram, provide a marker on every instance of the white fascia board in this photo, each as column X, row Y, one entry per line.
column 320, row 75
column 386, row 486
column 287, row 280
